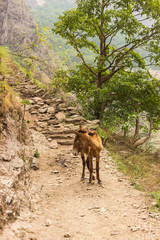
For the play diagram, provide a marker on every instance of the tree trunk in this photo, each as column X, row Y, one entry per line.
column 102, row 47
column 136, row 134
column 144, row 139
column 99, row 80
column 125, row 133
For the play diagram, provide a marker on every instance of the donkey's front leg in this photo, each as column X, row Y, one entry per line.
column 83, row 164
column 97, row 168
column 90, row 160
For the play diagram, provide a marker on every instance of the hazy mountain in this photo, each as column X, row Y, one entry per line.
column 35, row 3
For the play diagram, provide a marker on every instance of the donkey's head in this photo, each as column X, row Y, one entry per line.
column 78, row 144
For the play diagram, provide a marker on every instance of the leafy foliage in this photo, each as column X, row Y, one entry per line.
column 119, row 102
column 25, row 102
column 60, row 80
column 138, row 22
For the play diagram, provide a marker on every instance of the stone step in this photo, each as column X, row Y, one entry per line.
column 59, row 136
column 75, row 118
column 71, row 113
column 34, row 112
column 65, row 142
column 39, row 91
column 54, row 118
column 42, row 124
column 75, row 122
column 53, row 122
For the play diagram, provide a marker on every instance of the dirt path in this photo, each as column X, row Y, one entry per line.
column 65, row 207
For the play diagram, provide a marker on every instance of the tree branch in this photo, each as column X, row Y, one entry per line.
column 81, row 56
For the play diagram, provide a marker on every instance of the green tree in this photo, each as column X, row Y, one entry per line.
column 134, row 103
column 129, row 101
column 138, row 22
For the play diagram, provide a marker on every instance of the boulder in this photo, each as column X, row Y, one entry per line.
column 17, row 163
column 6, row 157
column 60, row 116
column 51, row 110
column 35, row 164
column 42, row 124
column 43, row 110
column 53, row 144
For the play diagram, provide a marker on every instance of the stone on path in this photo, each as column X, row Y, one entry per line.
column 35, row 164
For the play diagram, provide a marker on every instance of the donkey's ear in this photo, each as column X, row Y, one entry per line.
column 75, row 132
column 80, row 128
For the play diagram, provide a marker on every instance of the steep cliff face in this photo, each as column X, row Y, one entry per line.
column 16, row 23
column 17, row 30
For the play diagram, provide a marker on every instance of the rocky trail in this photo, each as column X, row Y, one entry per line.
column 61, row 205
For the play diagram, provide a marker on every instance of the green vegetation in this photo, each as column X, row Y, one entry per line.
column 36, row 154
column 156, row 196
column 60, row 80
column 141, row 168
column 4, row 65
column 46, row 16
column 125, row 103
column 94, row 19
column 2, row 86
column 39, row 84
column 25, row 102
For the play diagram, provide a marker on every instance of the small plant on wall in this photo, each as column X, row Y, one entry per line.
column 36, row 153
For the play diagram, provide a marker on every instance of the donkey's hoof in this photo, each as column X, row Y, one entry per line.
column 99, row 182
column 82, row 179
column 90, row 183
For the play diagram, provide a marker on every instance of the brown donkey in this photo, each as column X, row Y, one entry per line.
column 89, row 143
